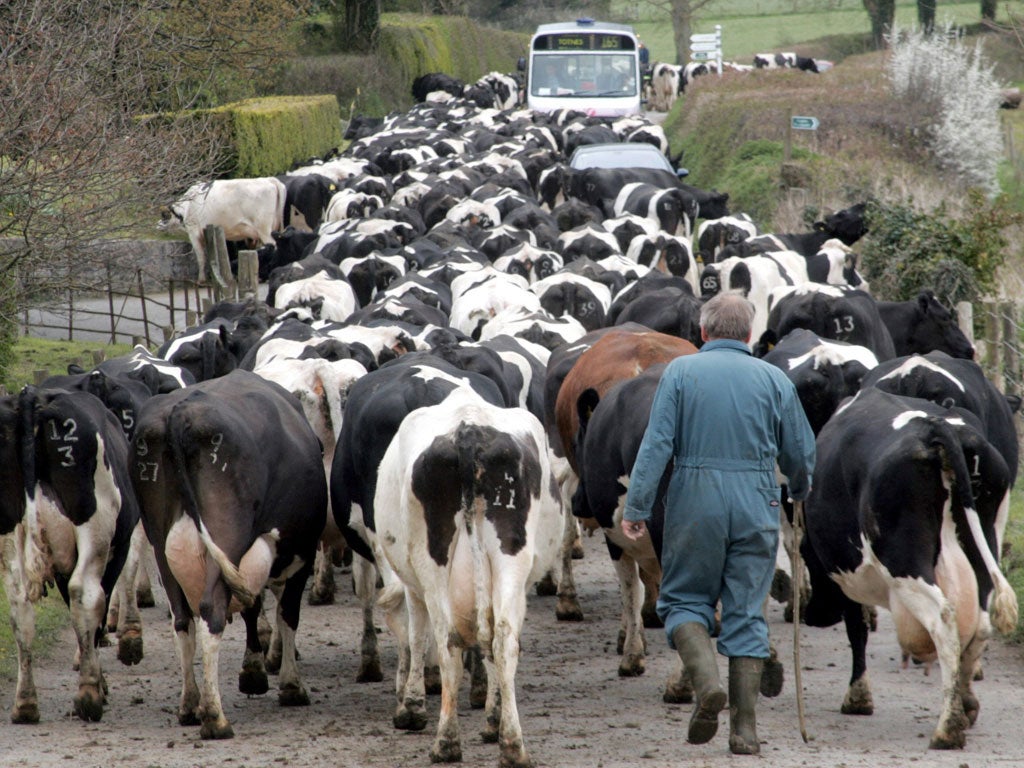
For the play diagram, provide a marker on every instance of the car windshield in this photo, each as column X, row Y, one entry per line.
column 620, row 156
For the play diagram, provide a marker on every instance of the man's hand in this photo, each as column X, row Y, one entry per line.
column 634, row 530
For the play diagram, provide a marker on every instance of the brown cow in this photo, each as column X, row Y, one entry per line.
column 619, row 354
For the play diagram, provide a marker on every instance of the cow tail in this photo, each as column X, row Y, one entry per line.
column 473, row 514
column 27, row 401
column 178, row 436
column 1003, row 601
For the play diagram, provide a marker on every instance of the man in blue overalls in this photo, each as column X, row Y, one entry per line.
column 724, row 418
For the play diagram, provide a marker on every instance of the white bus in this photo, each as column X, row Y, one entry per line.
column 586, row 65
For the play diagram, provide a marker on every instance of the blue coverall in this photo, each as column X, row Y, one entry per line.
column 724, row 418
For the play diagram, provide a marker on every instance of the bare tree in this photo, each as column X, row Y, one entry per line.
column 682, row 13
column 84, row 158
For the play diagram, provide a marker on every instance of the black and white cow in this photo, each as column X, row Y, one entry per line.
column 901, row 514
column 955, row 382
column 755, row 277
column 673, row 209
column 832, row 312
column 67, row 517
column 206, row 351
column 233, row 497
column 847, row 225
column 923, row 325
column 377, row 404
column 306, row 199
column 824, row 371
column 567, row 294
column 468, row 516
column 715, row 234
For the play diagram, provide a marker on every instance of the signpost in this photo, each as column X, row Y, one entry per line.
column 707, row 46
column 796, row 123
column 800, row 123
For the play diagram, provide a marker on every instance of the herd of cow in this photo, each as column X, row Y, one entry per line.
column 669, row 81
column 452, row 369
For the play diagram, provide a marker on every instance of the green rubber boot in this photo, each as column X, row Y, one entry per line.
column 744, row 684
column 693, row 643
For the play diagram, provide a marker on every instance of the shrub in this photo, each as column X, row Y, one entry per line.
column 960, row 97
column 908, row 250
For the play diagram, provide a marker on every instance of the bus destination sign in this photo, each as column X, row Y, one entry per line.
column 585, row 41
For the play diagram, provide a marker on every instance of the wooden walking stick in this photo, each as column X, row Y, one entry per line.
column 798, row 574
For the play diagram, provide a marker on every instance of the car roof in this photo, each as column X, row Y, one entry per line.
column 620, row 155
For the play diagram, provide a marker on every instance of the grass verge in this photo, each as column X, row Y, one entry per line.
column 32, row 355
column 52, row 617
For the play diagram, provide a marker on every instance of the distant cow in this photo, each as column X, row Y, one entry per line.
column 246, row 209
column 468, row 516
column 901, row 515
column 233, row 496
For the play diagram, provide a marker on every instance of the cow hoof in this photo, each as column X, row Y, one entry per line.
column 513, row 755
column 971, row 708
column 772, row 678
column 293, row 696
column 478, row 694
column 432, row 680
column 410, row 720
column 954, row 740
column 89, row 705
column 678, row 692
column 445, row 751
column 546, row 587
column 104, row 639
column 129, row 648
column 858, row 699
column 273, row 662
column 252, row 681
column 321, row 597
column 25, row 713
column 577, row 550
column 213, row 730
column 188, row 718
column 634, row 667
column 144, row 598
column 489, row 735
column 782, row 587
column 369, row 671
column 568, row 610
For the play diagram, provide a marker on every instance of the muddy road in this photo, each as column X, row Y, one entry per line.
column 575, row 709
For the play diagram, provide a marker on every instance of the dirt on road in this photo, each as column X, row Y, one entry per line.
column 575, row 710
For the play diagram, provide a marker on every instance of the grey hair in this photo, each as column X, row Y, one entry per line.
column 727, row 316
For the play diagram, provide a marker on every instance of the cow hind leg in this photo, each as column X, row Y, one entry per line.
column 364, row 575
column 23, row 621
column 128, row 622
column 633, row 661
column 568, row 606
column 411, row 715
column 291, row 692
column 215, row 724
column 88, row 603
column 252, row 680
column 858, row 699
column 505, row 645
column 927, row 604
column 323, row 588
column 969, row 660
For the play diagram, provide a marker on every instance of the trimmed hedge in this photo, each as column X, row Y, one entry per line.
column 266, row 136
column 411, row 45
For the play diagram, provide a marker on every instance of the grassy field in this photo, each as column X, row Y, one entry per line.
column 754, row 26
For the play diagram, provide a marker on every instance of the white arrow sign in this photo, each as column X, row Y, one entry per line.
column 709, row 47
column 700, row 56
column 711, row 37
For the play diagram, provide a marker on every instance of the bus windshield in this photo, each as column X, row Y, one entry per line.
column 583, row 74
column 584, row 65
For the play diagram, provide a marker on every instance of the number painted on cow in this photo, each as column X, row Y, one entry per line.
column 67, row 452
column 147, row 471
column 844, row 324
column 70, row 427
column 141, row 449
column 216, row 441
column 127, row 419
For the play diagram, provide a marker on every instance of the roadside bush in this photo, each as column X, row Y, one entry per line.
column 907, row 250
column 961, row 99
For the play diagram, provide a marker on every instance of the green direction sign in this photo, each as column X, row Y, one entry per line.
column 700, row 55
column 804, row 123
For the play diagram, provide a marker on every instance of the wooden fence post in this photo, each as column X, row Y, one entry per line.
column 994, row 345
column 248, row 273
column 168, row 331
column 145, row 314
column 191, row 319
column 39, row 375
column 213, row 237
column 98, row 356
column 965, row 319
column 1011, row 348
